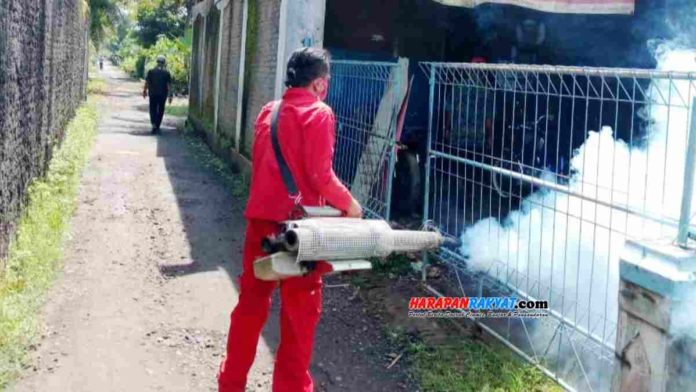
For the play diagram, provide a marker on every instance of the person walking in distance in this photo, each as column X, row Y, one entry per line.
column 305, row 129
column 158, row 83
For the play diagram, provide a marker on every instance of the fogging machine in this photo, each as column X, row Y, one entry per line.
column 343, row 243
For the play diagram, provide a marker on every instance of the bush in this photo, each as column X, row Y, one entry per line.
column 136, row 60
column 130, row 52
column 140, row 65
column 177, row 53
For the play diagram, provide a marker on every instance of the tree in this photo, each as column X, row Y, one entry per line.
column 103, row 14
column 160, row 17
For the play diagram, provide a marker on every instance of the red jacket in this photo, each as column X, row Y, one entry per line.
column 306, row 133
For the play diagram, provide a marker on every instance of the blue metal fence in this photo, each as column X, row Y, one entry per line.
column 365, row 97
column 543, row 172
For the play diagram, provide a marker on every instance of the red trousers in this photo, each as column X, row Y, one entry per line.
column 299, row 314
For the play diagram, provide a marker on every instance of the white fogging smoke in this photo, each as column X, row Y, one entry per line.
column 566, row 248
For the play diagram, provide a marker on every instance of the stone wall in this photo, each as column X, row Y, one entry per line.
column 43, row 75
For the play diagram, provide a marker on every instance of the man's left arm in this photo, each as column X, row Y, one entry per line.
column 147, row 82
column 169, row 87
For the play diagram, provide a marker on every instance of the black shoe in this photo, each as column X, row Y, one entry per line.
column 154, row 130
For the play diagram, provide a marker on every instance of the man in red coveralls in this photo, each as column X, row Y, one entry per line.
column 306, row 137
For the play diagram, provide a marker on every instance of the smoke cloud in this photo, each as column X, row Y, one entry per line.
column 566, row 248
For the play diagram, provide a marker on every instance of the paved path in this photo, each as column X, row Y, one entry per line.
column 143, row 302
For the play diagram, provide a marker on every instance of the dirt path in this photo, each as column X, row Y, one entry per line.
column 149, row 277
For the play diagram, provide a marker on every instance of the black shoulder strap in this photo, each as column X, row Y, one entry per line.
column 284, row 169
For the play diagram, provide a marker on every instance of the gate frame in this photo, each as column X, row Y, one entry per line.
column 682, row 224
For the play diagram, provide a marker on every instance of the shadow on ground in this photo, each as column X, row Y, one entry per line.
column 350, row 353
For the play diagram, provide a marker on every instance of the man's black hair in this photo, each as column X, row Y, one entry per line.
column 305, row 65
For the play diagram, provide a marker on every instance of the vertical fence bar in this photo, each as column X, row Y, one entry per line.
column 428, row 160
column 391, row 149
column 687, row 194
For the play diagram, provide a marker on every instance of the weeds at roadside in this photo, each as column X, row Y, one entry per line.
column 96, row 85
column 177, row 110
column 444, row 357
column 237, row 183
column 461, row 364
column 36, row 251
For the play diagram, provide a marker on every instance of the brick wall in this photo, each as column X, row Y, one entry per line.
column 43, row 69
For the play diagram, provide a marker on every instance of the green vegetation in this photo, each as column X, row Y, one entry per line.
column 96, row 85
column 103, row 15
column 36, row 251
column 393, row 266
column 441, row 357
column 157, row 18
column 153, row 28
column 464, row 365
column 178, row 53
column 237, row 183
column 178, row 110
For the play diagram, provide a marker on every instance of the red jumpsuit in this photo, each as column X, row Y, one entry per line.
column 306, row 136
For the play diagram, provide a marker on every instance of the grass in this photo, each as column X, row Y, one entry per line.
column 36, row 250
column 464, row 365
column 461, row 364
column 96, row 85
column 178, row 110
column 449, row 360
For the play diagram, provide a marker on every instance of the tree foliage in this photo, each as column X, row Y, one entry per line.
column 151, row 28
column 157, row 18
column 103, row 15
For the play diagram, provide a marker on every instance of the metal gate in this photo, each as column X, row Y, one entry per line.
column 543, row 172
column 366, row 97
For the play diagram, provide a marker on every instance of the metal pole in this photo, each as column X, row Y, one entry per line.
column 688, row 191
column 392, row 145
column 428, row 158
column 569, row 70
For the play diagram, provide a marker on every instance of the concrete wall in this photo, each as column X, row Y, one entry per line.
column 302, row 24
column 196, row 73
column 230, row 58
column 43, row 72
column 274, row 28
column 212, row 22
column 262, row 39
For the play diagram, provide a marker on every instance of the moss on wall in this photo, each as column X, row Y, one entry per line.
column 250, row 49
